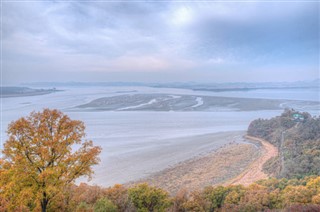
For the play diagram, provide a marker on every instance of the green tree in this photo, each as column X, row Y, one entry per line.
column 83, row 207
column 45, row 153
column 146, row 198
column 104, row 205
column 215, row 197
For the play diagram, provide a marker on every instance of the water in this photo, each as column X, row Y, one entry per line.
column 128, row 138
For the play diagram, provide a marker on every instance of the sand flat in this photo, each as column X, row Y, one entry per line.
column 166, row 102
column 211, row 169
column 164, row 154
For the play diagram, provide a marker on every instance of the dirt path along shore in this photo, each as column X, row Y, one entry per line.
column 254, row 171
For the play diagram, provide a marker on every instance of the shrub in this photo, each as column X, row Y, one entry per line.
column 215, row 197
column 148, row 198
column 118, row 194
column 83, row 207
column 104, row 205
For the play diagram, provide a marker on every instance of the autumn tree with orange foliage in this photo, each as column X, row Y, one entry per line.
column 45, row 152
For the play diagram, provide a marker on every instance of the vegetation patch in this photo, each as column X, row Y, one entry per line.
column 297, row 136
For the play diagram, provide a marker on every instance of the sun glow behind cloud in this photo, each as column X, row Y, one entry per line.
column 182, row 16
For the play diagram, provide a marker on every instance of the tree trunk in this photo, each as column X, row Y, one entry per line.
column 44, row 202
column 43, row 206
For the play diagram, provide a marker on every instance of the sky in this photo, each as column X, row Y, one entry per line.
column 152, row 41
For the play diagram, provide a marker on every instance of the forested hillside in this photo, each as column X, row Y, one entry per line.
column 297, row 136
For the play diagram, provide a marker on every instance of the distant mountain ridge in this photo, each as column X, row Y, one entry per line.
column 191, row 85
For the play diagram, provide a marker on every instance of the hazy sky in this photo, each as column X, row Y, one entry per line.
column 159, row 42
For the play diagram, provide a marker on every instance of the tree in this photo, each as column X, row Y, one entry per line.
column 83, row 207
column 146, row 198
column 215, row 197
column 45, row 152
column 118, row 194
column 86, row 193
column 255, row 198
column 196, row 202
column 235, row 195
column 297, row 194
column 314, row 184
column 104, row 205
column 180, row 201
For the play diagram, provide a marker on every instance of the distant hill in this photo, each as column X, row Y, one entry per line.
column 23, row 91
column 215, row 87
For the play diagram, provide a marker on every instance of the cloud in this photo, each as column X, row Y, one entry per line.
column 202, row 38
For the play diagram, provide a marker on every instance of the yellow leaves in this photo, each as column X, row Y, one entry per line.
column 10, row 186
column 316, row 199
column 39, row 157
column 297, row 194
column 233, row 197
column 195, row 203
column 314, row 183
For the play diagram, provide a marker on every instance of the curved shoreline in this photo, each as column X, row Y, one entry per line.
column 254, row 171
column 213, row 168
column 153, row 156
column 239, row 162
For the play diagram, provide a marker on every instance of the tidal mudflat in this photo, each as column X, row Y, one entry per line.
column 170, row 102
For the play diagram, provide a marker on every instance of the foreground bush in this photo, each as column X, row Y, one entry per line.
column 83, row 207
column 264, row 195
column 148, row 198
column 104, row 205
column 118, row 194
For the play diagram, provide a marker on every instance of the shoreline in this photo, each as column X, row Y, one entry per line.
column 148, row 158
column 239, row 162
column 212, row 168
column 254, row 172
